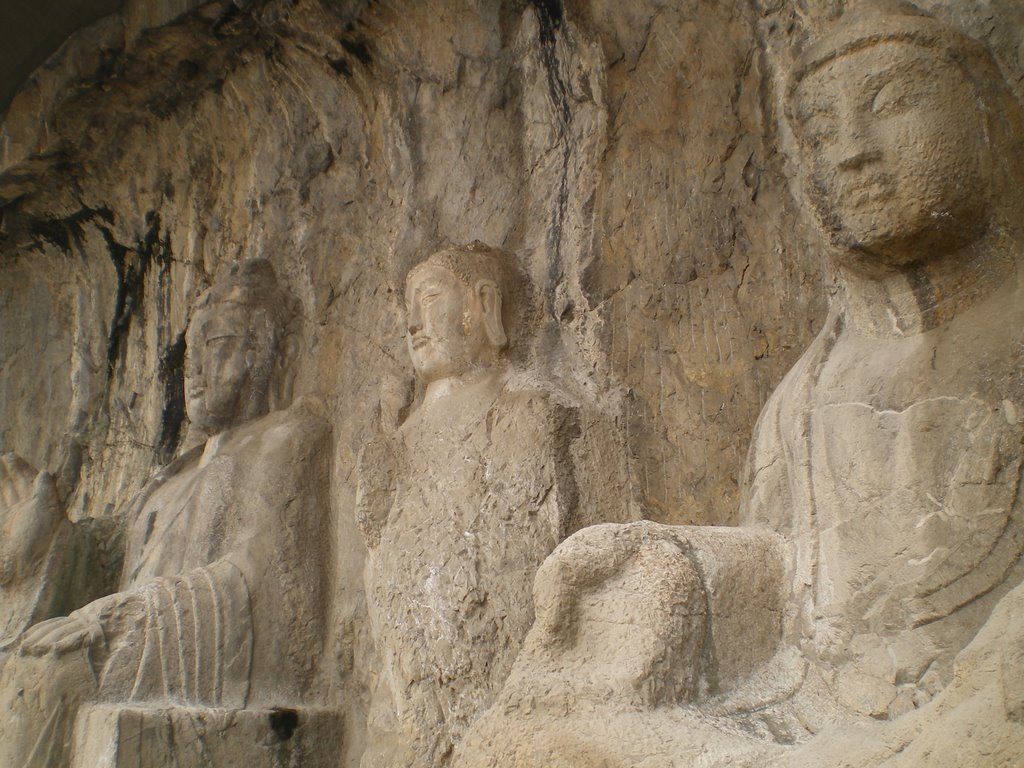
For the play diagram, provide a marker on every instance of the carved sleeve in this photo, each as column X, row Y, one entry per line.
column 193, row 643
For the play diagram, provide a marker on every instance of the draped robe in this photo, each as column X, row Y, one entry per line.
column 481, row 495
column 223, row 592
column 893, row 465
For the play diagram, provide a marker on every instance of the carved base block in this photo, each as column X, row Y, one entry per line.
column 109, row 736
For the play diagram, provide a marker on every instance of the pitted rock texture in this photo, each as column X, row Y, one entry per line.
column 632, row 155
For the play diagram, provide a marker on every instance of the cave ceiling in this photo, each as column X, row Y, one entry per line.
column 31, row 31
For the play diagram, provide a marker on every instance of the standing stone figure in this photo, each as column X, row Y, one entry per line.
column 222, row 596
column 459, row 509
column 889, row 459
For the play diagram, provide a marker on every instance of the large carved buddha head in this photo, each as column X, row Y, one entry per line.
column 908, row 134
column 457, row 309
column 236, row 345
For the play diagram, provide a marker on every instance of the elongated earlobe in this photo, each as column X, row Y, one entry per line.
column 490, row 301
column 284, row 374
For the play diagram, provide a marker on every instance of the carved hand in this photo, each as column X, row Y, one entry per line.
column 29, row 514
column 93, row 626
column 61, row 635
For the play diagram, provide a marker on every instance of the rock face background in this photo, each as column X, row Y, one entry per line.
column 632, row 154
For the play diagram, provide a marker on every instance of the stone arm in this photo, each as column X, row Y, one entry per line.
column 199, row 635
column 777, row 493
column 187, row 637
column 284, row 550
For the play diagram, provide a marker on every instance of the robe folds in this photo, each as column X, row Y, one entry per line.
column 222, row 597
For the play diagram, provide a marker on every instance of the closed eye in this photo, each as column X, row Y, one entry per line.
column 222, row 338
column 892, row 99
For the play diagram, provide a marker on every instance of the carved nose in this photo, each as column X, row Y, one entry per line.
column 414, row 321
column 857, row 143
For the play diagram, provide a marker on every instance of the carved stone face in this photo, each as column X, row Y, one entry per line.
column 895, row 152
column 227, row 371
column 446, row 330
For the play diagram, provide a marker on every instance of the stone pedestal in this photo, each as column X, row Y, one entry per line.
column 118, row 737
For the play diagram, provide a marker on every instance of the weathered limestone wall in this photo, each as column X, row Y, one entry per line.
column 632, row 154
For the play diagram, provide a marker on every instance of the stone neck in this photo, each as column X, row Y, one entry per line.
column 466, row 388
column 920, row 297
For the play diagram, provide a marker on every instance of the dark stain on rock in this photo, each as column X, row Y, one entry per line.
column 340, row 65
column 227, row 25
column 283, row 722
column 550, row 13
column 132, row 266
column 188, row 69
column 357, row 47
column 66, row 231
column 171, row 374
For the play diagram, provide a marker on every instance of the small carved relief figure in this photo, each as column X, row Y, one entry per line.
column 30, row 516
column 221, row 600
column 459, row 510
column 891, row 453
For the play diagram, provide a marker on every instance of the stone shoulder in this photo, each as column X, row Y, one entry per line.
column 290, row 433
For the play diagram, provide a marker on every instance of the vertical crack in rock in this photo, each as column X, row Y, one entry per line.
column 550, row 15
column 171, row 365
column 567, row 431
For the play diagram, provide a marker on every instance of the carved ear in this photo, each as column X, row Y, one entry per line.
column 490, row 303
column 284, row 372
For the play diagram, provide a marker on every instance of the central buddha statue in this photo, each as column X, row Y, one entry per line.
column 459, row 509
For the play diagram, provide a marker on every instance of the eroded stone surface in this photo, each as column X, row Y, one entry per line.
column 119, row 737
column 634, row 158
column 460, row 507
column 223, row 591
column 889, row 458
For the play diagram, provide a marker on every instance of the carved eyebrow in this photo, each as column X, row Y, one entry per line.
column 419, row 290
column 878, row 80
column 224, row 335
column 812, row 105
column 427, row 286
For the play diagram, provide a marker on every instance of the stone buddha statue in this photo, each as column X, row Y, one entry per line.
column 889, row 461
column 891, row 453
column 222, row 597
column 459, row 508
